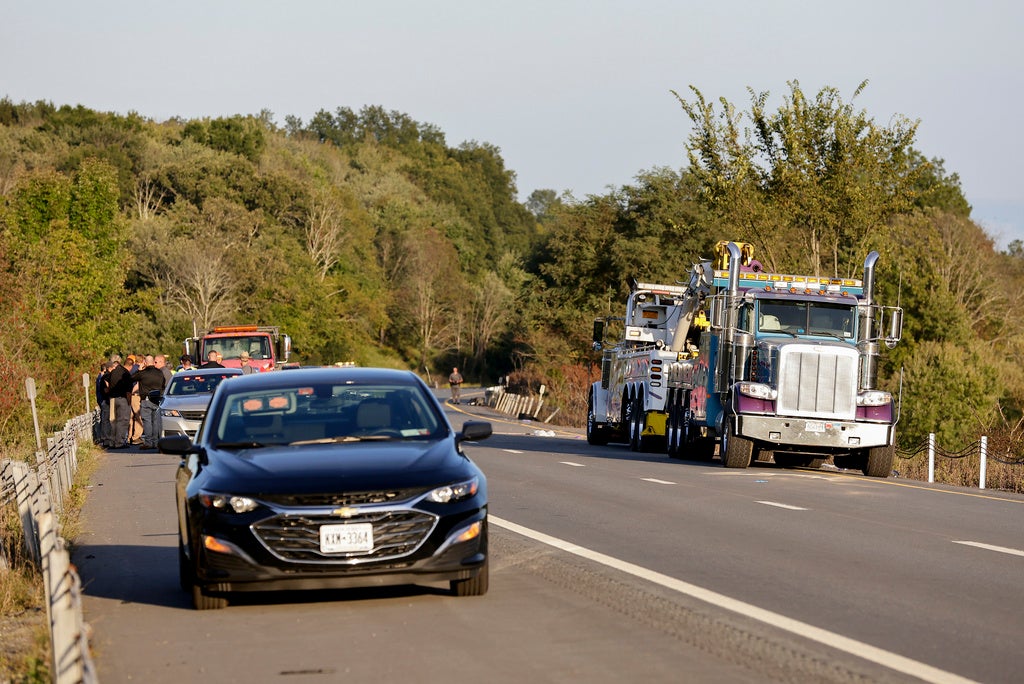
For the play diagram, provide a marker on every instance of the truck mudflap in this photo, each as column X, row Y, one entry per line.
column 811, row 433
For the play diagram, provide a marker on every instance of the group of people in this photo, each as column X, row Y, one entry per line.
column 128, row 393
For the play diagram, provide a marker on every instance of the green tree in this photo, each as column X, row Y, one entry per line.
column 808, row 182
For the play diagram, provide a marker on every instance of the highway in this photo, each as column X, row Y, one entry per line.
column 607, row 566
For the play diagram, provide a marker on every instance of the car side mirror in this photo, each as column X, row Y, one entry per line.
column 181, row 445
column 475, row 430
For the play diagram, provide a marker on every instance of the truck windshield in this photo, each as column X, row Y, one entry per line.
column 258, row 346
column 806, row 318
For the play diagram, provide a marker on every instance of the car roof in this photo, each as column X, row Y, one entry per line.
column 192, row 372
column 325, row 374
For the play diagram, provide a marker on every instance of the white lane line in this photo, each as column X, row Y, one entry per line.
column 860, row 649
column 656, row 480
column 574, row 465
column 512, row 451
column 782, row 505
column 990, row 547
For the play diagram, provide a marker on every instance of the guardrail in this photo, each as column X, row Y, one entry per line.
column 523, row 406
column 41, row 493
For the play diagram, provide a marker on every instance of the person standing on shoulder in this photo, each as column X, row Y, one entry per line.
column 151, row 386
column 103, row 402
column 211, row 361
column 455, row 382
column 185, row 365
column 119, row 389
column 160, row 361
column 244, row 360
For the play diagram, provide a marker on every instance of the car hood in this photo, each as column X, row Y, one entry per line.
column 191, row 402
column 358, row 466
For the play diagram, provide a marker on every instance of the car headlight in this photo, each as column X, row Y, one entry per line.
column 874, row 398
column 170, row 413
column 224, row 502
column 455, row 492
column 757, row 390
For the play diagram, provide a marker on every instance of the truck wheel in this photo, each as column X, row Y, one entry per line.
column 672, row 427
column 879, row 463
column 636, row 424
column 736, row 451
column 597, row 434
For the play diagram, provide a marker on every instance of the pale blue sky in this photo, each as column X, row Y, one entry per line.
column 575, row 93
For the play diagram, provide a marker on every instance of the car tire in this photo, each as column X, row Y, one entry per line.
column 202, row 600
column 184, row 569
column 474, row 586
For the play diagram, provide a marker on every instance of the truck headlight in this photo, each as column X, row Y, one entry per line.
column 874, row 398
column 758, row 390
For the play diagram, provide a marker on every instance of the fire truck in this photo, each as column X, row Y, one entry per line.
column 267, row 347
column 767, row 366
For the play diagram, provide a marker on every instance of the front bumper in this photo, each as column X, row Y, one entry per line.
column 246, row 563
column 812, row 434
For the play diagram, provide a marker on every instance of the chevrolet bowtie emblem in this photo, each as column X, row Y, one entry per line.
column 344, row 512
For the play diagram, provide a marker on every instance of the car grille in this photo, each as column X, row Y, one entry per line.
column 343, row 499
column 296, row 537
column 817, row 381
column 193, row 415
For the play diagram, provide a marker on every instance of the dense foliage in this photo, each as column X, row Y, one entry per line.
column 368, row 238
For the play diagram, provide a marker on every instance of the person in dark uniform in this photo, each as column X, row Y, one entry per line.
column 151, row 387
column 119, row 389
column 211, row 361
column 103, row 403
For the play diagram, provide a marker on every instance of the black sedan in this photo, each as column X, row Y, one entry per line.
column 328, row 477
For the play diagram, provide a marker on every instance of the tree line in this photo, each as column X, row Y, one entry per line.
column 368, row 238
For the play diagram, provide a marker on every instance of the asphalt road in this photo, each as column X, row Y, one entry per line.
column 607, row 566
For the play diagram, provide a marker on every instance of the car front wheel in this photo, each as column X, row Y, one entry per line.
column 474, row 586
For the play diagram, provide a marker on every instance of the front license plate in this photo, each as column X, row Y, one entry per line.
column 815, row 426
column 348, row 538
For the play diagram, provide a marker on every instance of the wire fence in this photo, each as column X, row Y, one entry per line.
column 986, row 463
column 41, row 493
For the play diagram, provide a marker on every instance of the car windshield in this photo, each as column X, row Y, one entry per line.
column 325, row 413
column 186, row 384
column 806, row 318
column 257, row 346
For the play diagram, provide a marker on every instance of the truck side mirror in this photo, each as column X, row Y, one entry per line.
column 598, row 333
column 895, row 328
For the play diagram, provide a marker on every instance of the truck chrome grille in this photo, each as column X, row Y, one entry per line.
column 818, row 381
column 296, row 537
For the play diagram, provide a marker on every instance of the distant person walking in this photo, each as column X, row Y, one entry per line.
column 455, row 382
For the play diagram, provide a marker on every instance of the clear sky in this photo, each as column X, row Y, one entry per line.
column 575, row 93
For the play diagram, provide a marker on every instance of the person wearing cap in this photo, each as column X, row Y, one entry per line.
column 246, row 368
column 185, row 365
